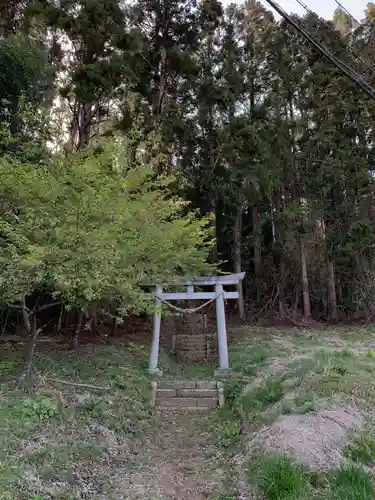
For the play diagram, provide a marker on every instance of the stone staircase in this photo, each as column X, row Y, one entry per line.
column 187, row 394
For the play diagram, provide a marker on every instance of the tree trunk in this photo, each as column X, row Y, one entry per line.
column 273, row 225
column 160, row 82
column 60, row 319
column 278, row 252
column 25, row 318
column 115, row 326
column 77, row 331
column 332, row 299
column 29, row 352
column 85, row 124
column 296, row 302
column 304, row 281
column 214, row 256
column 237, row 261
column 281, row 293
column 257, row 243
column 73, row 132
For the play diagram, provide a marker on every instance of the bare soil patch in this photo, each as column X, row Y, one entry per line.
column 175, row 464
column 315, row 440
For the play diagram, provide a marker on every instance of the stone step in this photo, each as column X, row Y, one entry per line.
column 187, row 402
column 187, row 384
column 187, row 393
column 182, row 409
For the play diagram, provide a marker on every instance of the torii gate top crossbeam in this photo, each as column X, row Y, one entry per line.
column 226, row 279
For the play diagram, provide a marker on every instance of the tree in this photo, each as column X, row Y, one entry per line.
column 252, row 123
column 90, row 229
column 25, row 84
column 342, row 21
column 98, row 61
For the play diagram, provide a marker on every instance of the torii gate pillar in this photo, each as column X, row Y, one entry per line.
column 223, row 370
column 154, row 354
column 219, row 295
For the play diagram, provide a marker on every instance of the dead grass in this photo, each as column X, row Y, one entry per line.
column 178, row 461
column 66, row 442
column 60, row 441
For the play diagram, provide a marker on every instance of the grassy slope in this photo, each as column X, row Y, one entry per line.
column 61, row 441
column 66, row 442
column 287, row 374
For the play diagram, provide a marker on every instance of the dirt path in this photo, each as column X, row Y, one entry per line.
column 176, row 463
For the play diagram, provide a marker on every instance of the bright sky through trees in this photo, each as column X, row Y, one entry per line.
column 324, row 8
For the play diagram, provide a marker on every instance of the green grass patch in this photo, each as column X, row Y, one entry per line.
column 279, row 478
column 300, row 404
column 328, row 372
column 42, row 408
column 264, row 396
column 351, row 483
column 247, row 358
column 233, row 393
column 361, row 448
column 313, row 373
column 305, row 403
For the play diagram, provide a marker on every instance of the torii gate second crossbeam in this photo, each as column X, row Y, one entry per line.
column 219, row 295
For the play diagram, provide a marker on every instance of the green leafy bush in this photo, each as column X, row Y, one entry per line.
column 93, row 229
column 230, row 432
column 42, row 408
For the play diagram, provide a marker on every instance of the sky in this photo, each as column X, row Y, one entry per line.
column 324, row 8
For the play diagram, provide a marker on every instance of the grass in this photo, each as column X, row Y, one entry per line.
column 351, row 483
column 278, row 478
column 317, row 375
column 57, row 440
column 271, row 392
column 322, row 370
column 361, row 448
column 229, row 433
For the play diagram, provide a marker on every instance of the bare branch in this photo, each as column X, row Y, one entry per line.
column 76, row 384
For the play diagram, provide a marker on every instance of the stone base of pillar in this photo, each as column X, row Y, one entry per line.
column 156, row 372
column 222, row 372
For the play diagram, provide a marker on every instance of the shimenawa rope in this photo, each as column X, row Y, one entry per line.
column 188, row 310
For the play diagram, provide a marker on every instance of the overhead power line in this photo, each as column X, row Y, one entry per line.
column 343, row 67
column 328, row 26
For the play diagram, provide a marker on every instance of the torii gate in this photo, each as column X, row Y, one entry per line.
column 219, row 295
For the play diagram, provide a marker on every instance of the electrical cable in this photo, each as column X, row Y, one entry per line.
column 343, row 67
